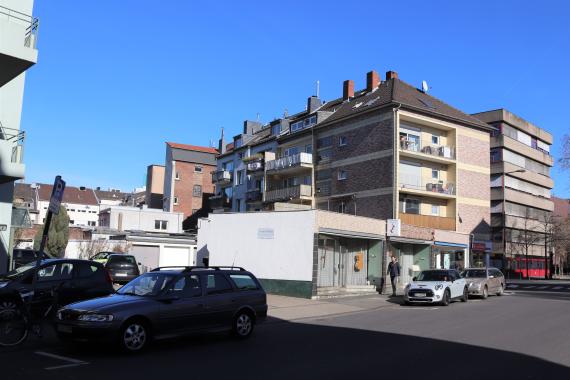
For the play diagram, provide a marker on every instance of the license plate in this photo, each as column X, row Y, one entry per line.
column 64, row 329
column 121, row 274
column 420, row 294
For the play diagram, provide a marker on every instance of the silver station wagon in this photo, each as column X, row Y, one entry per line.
column 484, row 281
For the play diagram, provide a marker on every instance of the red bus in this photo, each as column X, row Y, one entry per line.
column 536, row 267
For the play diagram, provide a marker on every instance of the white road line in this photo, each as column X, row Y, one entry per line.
column 74, row 362
column 557, row 288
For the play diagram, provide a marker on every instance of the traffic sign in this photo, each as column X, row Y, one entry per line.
column 56, row 195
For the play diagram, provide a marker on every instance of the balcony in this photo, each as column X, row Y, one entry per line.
column 293, row 193
column 429, row 221
column 18, row 36
column 221, row 177
column 12, row 167
column 220, row 202
column 254, row 195
column 290, row 164
column 436, row 189
column 435, row 153
column 254, row 167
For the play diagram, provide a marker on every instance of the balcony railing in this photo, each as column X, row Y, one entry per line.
column 438, row 187
column 15, row 139
column 255, row 166
column 429, row 221
column 289, row 193
column 442, row 151
column 254, row 195
column 220, row 201
column 221, row 177
column 296, row 160
column 30, row 24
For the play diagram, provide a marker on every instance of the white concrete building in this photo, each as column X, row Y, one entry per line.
column 18, row 33
column 80, row 202
column 124, row 218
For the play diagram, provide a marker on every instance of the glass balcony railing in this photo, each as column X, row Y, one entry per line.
column 439, row 187
column 442, row 151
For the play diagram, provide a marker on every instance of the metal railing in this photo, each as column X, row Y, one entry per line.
column 288, row 193
column 221, row 176
column 290, row 161
column 31, row 23
column 428, row 186
column 442, row 151
column 16, row 138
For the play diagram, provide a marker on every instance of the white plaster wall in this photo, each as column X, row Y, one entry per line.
column 234, row 239
column 135, row 218
column 82, row 215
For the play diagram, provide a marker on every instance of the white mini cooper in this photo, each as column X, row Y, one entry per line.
column 439, row 286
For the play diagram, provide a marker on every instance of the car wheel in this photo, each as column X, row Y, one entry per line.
column 485, row 293
column 465, row 296
column 135, row 336
column 243, row 324
column 446, row 298
column 501, row 290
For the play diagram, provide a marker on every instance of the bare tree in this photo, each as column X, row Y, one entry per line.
column 524, row 236
column 91, row 247
column 561, row 240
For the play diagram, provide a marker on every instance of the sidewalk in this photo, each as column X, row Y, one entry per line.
column 290, row 308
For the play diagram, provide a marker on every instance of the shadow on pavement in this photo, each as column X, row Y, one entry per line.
column 301, row 351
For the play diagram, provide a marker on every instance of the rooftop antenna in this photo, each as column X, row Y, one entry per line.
column 258, row 116
column 425, row 87
column 285, row 113
column 318, row 88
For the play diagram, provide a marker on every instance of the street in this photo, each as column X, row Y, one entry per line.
column 521, row 334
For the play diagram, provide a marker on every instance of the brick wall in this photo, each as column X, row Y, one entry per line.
column 475, row 219
column 473, row 151
column 183, row 188
column 473, row 185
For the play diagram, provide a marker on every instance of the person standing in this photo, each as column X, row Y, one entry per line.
column 394, row 272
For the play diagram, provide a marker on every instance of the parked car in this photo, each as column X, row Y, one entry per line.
column 101, row 257
column 484, row 281
column 122, row 268
column 436, row 286
column 25, row 256
column 168, row 302
column 72, row 280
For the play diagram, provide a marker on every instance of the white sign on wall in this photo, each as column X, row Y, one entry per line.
column 393, row 227
column 265, row 233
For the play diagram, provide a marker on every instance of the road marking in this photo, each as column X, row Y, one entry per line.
column 557, row 288
column 529, row 287
column 512, row 286
column 543, row 287
column 73, row 362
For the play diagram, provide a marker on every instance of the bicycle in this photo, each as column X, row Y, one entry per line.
column 17, row 319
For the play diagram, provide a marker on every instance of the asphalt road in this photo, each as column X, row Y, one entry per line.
column 520, row 335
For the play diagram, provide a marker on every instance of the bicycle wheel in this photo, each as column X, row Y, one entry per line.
column 13, row 328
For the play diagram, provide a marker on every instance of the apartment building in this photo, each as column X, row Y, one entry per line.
column 521, row 204
column 81, row 204
column 18, row 34
column 187, row 180
column 154, row 186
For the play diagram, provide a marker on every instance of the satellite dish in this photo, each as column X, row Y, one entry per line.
column 425, row 87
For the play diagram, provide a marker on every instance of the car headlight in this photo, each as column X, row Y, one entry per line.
column 3, row 284
column 438, row 287
column 95, row 318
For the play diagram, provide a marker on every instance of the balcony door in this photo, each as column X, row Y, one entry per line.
column 410, row 175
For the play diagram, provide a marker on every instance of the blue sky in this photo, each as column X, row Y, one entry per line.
column 116, row 79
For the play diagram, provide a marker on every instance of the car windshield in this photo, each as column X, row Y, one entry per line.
column 149, row 284
column 24, row 268
column 433, row 275
column 474, row 273
column 122, row 260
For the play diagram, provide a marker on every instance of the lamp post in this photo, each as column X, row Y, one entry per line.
column 504, row 212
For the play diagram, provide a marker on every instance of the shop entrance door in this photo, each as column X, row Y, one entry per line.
column 327, row 262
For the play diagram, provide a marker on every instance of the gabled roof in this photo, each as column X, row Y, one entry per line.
column 70, row 195
column 110, row 195
column 24, row 191
column 194, row 148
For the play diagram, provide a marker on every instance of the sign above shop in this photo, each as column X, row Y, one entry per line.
column 393, row 227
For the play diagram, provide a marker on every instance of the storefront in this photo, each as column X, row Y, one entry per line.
column 450, row 255
column 480, row 251
column 413, row 256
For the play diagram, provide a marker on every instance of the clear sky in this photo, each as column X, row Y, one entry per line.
column 115, row 79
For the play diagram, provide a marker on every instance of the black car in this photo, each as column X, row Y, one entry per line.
column 122, row 268
column 25, row 256
column 68, row 279
column 168, row 302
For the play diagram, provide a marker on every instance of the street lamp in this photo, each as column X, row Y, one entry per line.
column 504, row 213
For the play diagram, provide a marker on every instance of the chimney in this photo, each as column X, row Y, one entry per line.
column 250, row 127
column 347, row 89
column 222, row 144
column 313, row 102
column 391, row 75
column 372, row 80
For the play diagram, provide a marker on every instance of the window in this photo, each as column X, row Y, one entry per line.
column 160, row 224
column 342, row 175
column 198, row 169
column 177, row 176
column 435, row 139
column 434, row 173
column 297, row 126
column 240, row 177
column 435, row 210
column 342, row 141
column 243, row 281
column 309, row 148
column 409, row 205
column 276, row 129
column 342, row 207
column 55, row 272
column 187, row 287
column 290, row 151
column 91, row 223
column 217, row 284
column 87, row 270
column 197, row 190
column 495, row 155
column 175, row 200
column 324, row 142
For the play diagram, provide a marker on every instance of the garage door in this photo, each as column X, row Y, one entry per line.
column 175, row 256
column 147, row 255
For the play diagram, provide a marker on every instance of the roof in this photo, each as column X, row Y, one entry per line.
column 396, row 91
column 110, row 195
column 195, row 148
column 24, row 191
column 70, row 195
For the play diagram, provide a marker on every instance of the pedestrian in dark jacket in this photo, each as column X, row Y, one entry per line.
column 394, row 272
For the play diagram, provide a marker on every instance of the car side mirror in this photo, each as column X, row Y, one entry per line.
column 414, row 279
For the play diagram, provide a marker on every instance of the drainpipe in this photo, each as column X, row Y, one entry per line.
column 395, row 163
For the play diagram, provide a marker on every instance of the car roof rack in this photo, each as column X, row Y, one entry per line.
column 190, row 268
